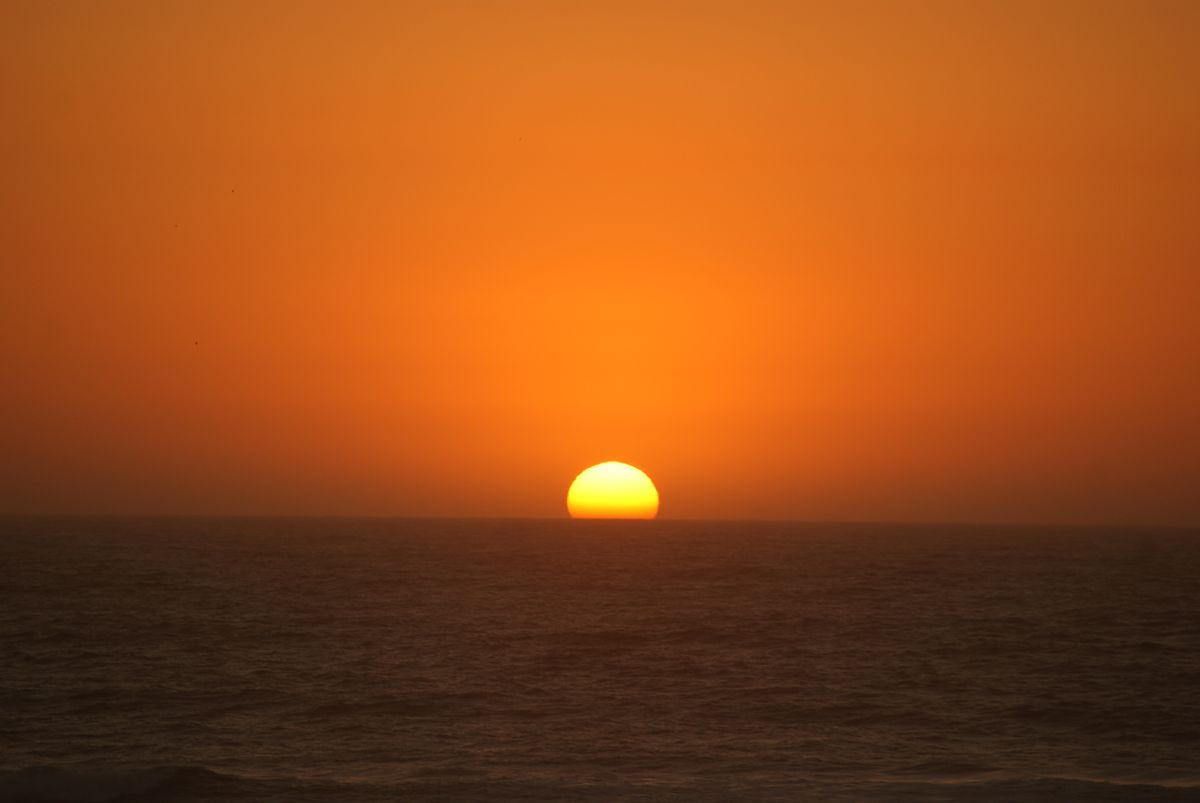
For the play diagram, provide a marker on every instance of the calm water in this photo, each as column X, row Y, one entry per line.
column 363, row 660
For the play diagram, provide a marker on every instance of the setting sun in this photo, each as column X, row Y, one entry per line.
column 612, row 490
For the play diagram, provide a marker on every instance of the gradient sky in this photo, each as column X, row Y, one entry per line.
column 866, row 261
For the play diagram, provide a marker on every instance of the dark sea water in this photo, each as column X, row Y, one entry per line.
column 374, row 660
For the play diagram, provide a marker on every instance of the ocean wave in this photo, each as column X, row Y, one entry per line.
column 1031, row 790
column 959, row 782
column 70, row 785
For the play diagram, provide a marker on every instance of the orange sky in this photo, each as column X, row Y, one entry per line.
column 918, row 261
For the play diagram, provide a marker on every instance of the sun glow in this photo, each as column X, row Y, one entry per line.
column 612, row 490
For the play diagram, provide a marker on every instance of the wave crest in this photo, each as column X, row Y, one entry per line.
column 69, row 785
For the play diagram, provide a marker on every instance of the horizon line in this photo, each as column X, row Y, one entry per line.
column 648, row 522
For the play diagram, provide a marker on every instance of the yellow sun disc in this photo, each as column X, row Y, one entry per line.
column 612, row 491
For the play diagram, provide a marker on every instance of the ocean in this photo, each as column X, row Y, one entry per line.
column 265, row 659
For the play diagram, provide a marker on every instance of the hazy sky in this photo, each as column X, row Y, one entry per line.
column 913, row 260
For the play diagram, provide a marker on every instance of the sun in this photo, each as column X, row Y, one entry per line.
column 612, row 490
